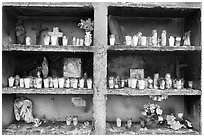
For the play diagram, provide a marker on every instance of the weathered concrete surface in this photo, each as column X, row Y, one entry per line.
column 100, row 68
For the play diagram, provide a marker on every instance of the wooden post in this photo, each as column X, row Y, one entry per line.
column 100, row 68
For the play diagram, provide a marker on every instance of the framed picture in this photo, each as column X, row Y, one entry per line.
column 136, row 73
column 72, row 67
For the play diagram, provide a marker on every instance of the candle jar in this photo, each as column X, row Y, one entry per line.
column 77, row 41
column 190, row 84
column 143, row 41
column 54, row 40
column 46, row 83
column 17, row 80
column 81, row 42
column 149, row 83
column 74, row 41
column 139, row 35
column 11, row 81
column 111, row 82
column 61, row 82
column 133, row 83
column 81, row 83
column 135, row 40
column 162, row 84
column 28, row 41
column 163, row 38
column 67, row 83
column 179, row 84
column 178, row 41
column 64, row 40
column 156, row 77
column 55, row 82
column 69, row 120
column 171, row 41
column 47, row 40
column 27, row 82
column 168, row 81
column 112, row 39
column 117, row 82
column 75, row 120
column 89, row 83
column 154, row 37
column 118, row 122
column 122, row 83
column 51, row 82
column 75, row 83
column 128, row 40
column 141, row 84
column 39, row 82
column 130, row 82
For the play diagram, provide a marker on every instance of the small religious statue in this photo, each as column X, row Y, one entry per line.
column 55, row 35
column 39, row 30
column 20, row 33
column 186, row 39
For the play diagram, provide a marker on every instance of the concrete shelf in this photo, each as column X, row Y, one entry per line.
column 50, row 48
column 46, row 91
column 137, row 92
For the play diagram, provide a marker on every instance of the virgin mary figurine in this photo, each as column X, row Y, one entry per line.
column 20, row 33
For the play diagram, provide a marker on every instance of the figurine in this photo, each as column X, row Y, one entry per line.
column 44, row 68
column 168, row 81
column 17, row 80
column 162, row 84
column 149, row 83
column 154, row 37
column 129, row 123
column 156, row 77
column 163, row 38
column 186, row 39
column 39, row 30
column 20, row 32
column 139, row 35
column 55, row 35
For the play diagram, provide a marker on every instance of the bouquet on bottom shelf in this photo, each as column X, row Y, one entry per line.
column 152, row 117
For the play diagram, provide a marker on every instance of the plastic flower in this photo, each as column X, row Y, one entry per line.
column 87, row 25
column 144, row 113
column 160, row 118
column 159, row 111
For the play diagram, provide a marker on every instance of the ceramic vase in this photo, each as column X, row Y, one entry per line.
column 88, row 38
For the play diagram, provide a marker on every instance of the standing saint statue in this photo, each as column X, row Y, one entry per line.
column 20, row 32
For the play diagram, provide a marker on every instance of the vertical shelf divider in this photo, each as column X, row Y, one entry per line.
column 100, row 68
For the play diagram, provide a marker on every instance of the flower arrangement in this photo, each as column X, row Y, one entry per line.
column 87, row 25
column 152, row 114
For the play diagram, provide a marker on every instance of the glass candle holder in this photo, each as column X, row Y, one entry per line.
column 128, row 40
column 89, row 83
column 39, row 82
column 61, row 82
column 27, row 82
column 141, row 84
column 55, row 82
column 75, row 120
column 69, row 120
column 135, row 40
column 134, row 83
column 67, row 83
column 21, row 82
column 11, row 81
column 118, row 122
column 112, row 39
column 81, row 83
column 171, row 41
column 46, row 83
column 75, row 83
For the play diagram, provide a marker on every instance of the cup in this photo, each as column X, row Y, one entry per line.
column 61, row 82
column 21, row 82
column 89, row 83
column 27, row 82
column 46, row 83
column 112, row 39
column 55, row 82
column 11, row 81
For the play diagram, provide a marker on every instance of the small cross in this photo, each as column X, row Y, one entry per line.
column 38, row 30
column 54, row 35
